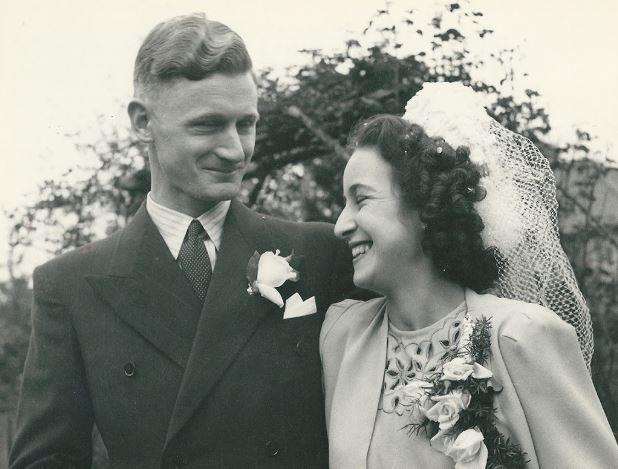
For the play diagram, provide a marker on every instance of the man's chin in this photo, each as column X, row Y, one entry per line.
column 219, row 192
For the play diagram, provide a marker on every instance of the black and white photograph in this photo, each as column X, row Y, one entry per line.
column 276, row 234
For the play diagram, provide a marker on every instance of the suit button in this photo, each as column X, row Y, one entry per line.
column 271, row 448
column 178, row 460
column 299, row 347
column 129, row 369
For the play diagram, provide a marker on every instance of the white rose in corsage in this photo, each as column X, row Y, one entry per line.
column 468, row 450
column 458, row 369
column 268, row 271
column 415, row 394
column 417, row 391
column 446, row 409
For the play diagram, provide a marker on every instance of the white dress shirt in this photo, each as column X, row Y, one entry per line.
column 173, row 226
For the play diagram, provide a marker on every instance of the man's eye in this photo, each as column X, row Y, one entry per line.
column 360, row 199
column 209, row 124
column 246, row 124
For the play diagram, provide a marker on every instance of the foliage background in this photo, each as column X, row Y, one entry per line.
column 306, row 117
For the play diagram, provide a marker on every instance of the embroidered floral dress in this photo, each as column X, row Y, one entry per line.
column 410, row 357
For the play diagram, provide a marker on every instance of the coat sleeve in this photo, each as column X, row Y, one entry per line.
column 332, row 348
column 567, row 424
column 54, row 417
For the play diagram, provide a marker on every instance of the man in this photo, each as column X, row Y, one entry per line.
column 152, row 334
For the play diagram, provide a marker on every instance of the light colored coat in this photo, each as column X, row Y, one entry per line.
column 548, row 404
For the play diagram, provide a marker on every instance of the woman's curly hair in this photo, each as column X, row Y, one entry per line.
column 442, row 184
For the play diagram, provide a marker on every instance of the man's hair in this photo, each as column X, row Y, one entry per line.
column 188, row 46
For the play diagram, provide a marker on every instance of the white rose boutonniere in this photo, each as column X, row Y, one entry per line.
column 268, row 271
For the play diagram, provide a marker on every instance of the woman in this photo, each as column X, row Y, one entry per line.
column 437, row 372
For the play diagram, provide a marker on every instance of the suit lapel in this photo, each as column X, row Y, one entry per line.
column 148, row 291
column 229, row 317
column 355, row 402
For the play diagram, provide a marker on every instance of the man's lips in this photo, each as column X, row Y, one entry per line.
column 222, row 170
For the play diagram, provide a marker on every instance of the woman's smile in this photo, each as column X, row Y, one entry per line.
column 359, row 249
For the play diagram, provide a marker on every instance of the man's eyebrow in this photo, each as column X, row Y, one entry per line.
column 217, row 116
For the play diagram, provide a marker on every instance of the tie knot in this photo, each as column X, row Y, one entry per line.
column 195, row 229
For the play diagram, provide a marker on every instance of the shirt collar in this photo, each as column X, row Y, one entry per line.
column 173, row 224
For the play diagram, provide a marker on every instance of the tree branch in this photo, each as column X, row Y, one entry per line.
column 593, row 221
column 315, row 129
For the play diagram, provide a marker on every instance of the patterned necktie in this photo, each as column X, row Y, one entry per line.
column 194, row 260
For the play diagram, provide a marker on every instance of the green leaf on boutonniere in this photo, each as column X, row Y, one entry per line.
column 252, row 267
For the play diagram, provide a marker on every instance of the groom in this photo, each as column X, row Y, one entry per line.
column 151, row 334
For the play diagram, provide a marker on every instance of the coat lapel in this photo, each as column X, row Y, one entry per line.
column 148, row 291
column 356, row 398
column 229, row 316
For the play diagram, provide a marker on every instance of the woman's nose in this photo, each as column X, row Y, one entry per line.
column 345, row 224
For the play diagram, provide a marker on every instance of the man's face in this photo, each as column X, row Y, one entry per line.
column 203, row 136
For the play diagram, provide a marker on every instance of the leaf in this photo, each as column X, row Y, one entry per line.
column 252, row 267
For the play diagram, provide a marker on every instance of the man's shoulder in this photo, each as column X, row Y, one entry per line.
column 294, row 228
column 89, row 258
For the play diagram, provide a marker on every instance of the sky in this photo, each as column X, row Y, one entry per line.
column 64, row 63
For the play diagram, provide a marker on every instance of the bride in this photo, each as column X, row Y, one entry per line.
column 444, row 206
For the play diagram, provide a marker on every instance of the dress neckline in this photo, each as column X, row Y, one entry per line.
column 439, row 324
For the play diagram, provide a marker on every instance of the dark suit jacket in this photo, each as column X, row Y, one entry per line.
column 120, row 339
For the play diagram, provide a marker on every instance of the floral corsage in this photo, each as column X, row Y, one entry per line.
column 457, row 401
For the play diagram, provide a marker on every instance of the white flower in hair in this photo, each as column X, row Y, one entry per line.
column 457, row 114
column 450, row 111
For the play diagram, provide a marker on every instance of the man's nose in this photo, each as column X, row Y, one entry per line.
column 230, row 148
column 345, row 224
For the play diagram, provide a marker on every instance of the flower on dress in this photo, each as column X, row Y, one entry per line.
column 268, row 271
column 458, row 369
column 416, row 391
column 468, row 450
column 393, row 401
column 447, row 408
column 399, row 372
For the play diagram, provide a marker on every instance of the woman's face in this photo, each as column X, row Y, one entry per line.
column 384, row 235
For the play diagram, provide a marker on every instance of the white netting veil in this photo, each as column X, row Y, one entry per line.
column 520, row 211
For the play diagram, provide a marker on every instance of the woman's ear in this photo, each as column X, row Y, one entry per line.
column 140, row 120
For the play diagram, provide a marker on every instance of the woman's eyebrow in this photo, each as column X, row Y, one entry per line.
column 357, row 186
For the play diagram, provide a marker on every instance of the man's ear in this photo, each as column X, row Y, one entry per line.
column 140, row 120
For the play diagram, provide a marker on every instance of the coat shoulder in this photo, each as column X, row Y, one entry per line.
column 73, row 264
column 517, row 320
column 315, row 240
column 313, row 232
column 349, row 317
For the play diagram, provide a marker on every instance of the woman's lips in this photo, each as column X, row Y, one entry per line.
column 359, row 249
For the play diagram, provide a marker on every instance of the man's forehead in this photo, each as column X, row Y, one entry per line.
column 217, row 94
